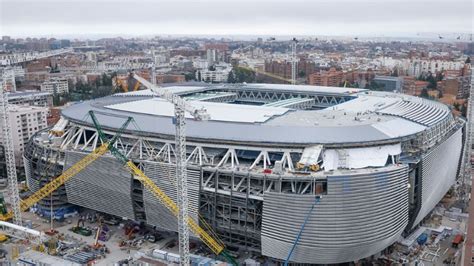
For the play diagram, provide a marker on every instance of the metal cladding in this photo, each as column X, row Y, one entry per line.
column 164, row 176
column 361, row 215
column 439, row 167
column 380, row 162
column 104, row 186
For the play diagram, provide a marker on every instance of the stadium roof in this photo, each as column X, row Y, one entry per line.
column 369, row 117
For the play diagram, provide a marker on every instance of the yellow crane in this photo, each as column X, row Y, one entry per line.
column 124, row 85
column 212, row 242
column 210, row 239
column 66, row 175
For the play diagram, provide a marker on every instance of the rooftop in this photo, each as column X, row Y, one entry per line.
column 365, row 117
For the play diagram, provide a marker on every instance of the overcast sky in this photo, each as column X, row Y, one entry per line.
column 234, row 17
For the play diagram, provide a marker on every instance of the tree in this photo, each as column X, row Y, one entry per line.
column 231, row 78
column 56, row 99
column 439, row 76
column 190, row 76
column 301, row 74
column 241, row 75
column 424, row 93
column 463, row 110
column 432, row 82
column 440, row 94
column 456, row 106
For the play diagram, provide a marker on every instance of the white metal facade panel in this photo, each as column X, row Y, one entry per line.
column 105, row 185
column 439, row 169
column 361, row 215
column 164, row 176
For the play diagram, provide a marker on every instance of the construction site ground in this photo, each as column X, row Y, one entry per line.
column 117, row 235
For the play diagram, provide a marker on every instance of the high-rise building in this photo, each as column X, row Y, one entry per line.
column 25, row 121
column 55, row 86
column 211, row 56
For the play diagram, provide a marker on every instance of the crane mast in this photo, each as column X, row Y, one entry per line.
column 8, row 147
column 293, row 61
column 182, row 181
column 180, row 109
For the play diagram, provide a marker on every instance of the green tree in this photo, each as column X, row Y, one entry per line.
column 424, row 93
column 190, row 76
column 456, row 106
column 231, row 78
column 432, row 82
column 56, row 100
column 243, row 75
column 464, row 110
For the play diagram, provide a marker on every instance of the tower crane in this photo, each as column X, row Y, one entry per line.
column 8, row 145
column 210, row 239
column 293, row 61
column 180, row 107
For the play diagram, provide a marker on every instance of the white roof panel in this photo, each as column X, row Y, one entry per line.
column 398, row 127
column 217, row 111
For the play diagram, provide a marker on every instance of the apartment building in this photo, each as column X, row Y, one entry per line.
column 55, row 86
column 331, row 78
column 25, row 121
column 35, row 98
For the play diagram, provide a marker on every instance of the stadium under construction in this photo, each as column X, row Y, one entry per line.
column 332, row 174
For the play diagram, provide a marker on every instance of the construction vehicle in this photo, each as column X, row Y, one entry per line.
column 101, row 234
column 216, row 246
column 81, row 230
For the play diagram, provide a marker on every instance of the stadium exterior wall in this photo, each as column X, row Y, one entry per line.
column 439, row 168
column 361, row 215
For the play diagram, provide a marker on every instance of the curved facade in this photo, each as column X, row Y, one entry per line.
column 361, row 214
column 256, row 167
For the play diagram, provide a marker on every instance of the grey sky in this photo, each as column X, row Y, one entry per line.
column 226, row 17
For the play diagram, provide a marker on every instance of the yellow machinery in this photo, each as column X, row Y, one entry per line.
column 66, row 175
column 215, row 245
column 59, row 181
column 124, row 84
